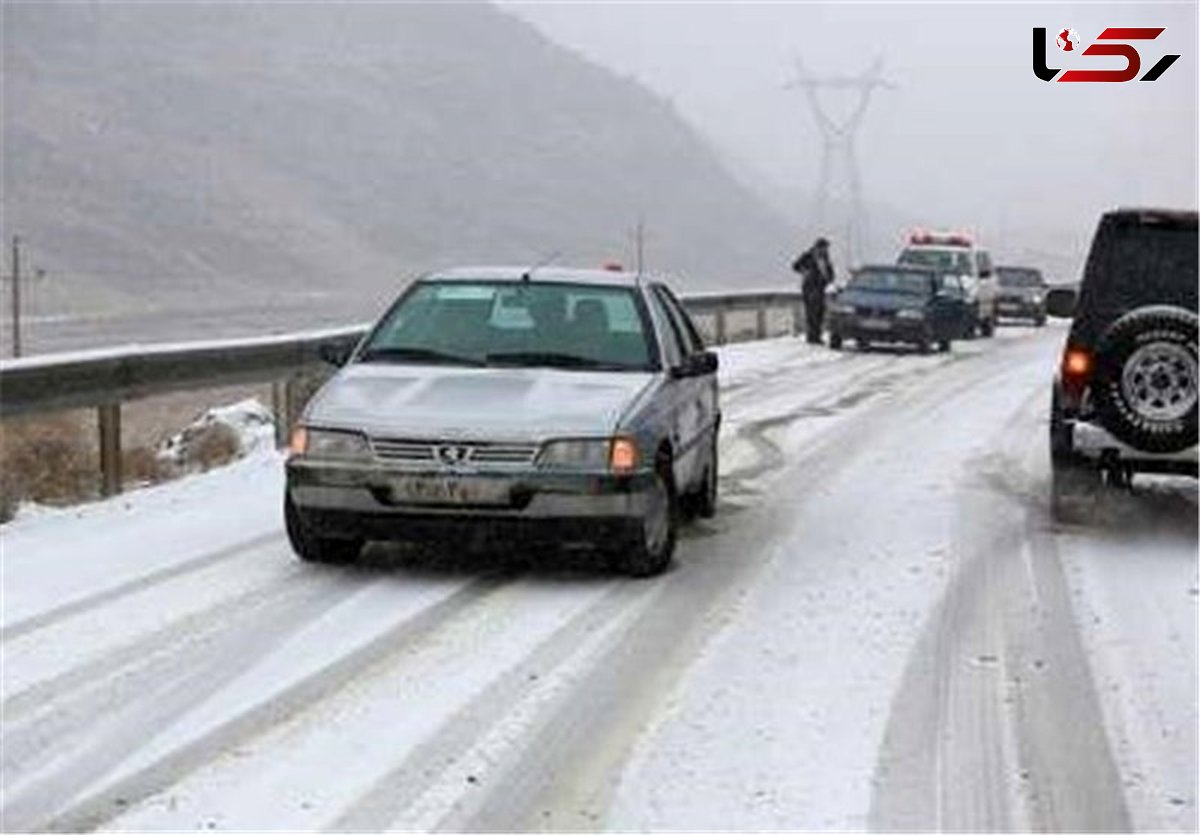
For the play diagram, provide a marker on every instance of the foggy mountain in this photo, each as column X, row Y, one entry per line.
column 223, row 154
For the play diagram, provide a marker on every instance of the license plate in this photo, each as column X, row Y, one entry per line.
column 449, row 489
column 876, row 324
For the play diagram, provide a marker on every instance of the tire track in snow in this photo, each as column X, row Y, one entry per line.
column 383, row 804
column 996, row 725
column 106, row 596
column 97, row 807
column 147, row 685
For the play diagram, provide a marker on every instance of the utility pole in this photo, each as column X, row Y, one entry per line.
column 16, row 296
column 838, row 146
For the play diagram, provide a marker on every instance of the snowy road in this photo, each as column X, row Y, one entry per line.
column 880, row 629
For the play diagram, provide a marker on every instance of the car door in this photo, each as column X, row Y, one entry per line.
column 952, row 301
column 697, row 401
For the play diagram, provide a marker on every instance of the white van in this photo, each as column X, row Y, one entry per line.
column 954, row 252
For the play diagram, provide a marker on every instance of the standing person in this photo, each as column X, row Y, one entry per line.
column 816, row 273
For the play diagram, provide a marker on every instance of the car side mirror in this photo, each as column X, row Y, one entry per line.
column 336, row 354
column 697, row 365
column 1060, row 302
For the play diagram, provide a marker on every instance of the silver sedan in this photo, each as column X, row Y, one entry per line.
column 549, row 406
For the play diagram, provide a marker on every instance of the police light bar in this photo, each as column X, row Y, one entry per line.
column 921, row 236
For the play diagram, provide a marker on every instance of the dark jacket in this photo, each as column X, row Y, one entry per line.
column 816, row 273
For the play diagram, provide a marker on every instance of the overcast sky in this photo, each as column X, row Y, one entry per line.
column 968, row 136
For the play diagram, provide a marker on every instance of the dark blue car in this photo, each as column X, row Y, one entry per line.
column 893, row 303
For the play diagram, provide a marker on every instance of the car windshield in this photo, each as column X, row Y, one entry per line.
column 1014, row 277
column 947, row 260
column 510, row 323
column 886, row 281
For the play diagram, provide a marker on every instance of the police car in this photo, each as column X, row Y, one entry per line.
column 957, row 253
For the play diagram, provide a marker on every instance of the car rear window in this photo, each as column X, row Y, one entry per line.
column 516, row 323
column 1016, row 277
column 956, row 260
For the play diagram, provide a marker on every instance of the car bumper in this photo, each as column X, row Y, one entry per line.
column 369, row 501
column 1095, row 443
column 1019, row 309
column 888, row 330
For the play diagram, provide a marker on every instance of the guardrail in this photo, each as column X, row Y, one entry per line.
column 106, row 378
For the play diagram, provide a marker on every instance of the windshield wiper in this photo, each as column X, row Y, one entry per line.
column 554, row 360
column 400, row 354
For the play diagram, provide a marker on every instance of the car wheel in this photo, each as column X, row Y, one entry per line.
column 943, row 345
column 706, row 498
column 987, row 327
column 1040, row 321
column 311, row 547
column 652, row 543
column 924, row 343
column 835, row 341
column 1146, row 381
column 864, row 344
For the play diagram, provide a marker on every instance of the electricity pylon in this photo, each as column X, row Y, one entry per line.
column 837, row 149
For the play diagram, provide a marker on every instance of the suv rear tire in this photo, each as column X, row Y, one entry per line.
column 1145, row 386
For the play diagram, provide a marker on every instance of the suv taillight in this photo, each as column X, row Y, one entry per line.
column 1077, row 366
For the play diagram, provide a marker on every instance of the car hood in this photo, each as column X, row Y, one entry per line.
column 420, row 401
column 881, row 301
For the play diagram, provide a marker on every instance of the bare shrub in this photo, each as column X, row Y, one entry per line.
column 49, row 459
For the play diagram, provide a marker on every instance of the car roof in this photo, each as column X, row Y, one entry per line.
column 1185, row 218
column 569, row 275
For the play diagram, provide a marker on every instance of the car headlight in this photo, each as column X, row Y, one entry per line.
column 615, row 454
column 1037, row 298
column 911, row 314
column 329, row 443
column 844, row 309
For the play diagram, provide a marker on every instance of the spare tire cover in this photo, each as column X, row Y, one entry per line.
column 1145, row 386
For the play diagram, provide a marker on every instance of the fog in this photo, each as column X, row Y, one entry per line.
column 969, row 136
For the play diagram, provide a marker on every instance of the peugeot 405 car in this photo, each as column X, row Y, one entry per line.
column 547, row 406
column 892, row 303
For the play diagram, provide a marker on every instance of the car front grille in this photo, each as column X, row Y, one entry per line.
column 453, row 453
column 875, row 312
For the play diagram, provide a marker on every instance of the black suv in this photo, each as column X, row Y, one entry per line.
column 895, row 303
column 1124, row 398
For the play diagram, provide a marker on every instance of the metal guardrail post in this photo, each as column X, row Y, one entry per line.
column 109, row 422
column 292, row 405
column 280, row 412
column 720, row 327
column 760, row 321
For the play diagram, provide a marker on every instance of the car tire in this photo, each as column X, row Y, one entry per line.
column 706, row 498
column 987, row 327
column 311, row 547
column 835, row 341
column 864, row 344
column 1146, row 380
column 924, row 342
column 943, row 345
column 651, row 544
column 1040, row 321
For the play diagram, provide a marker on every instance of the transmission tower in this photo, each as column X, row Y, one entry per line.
column 837, row 151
